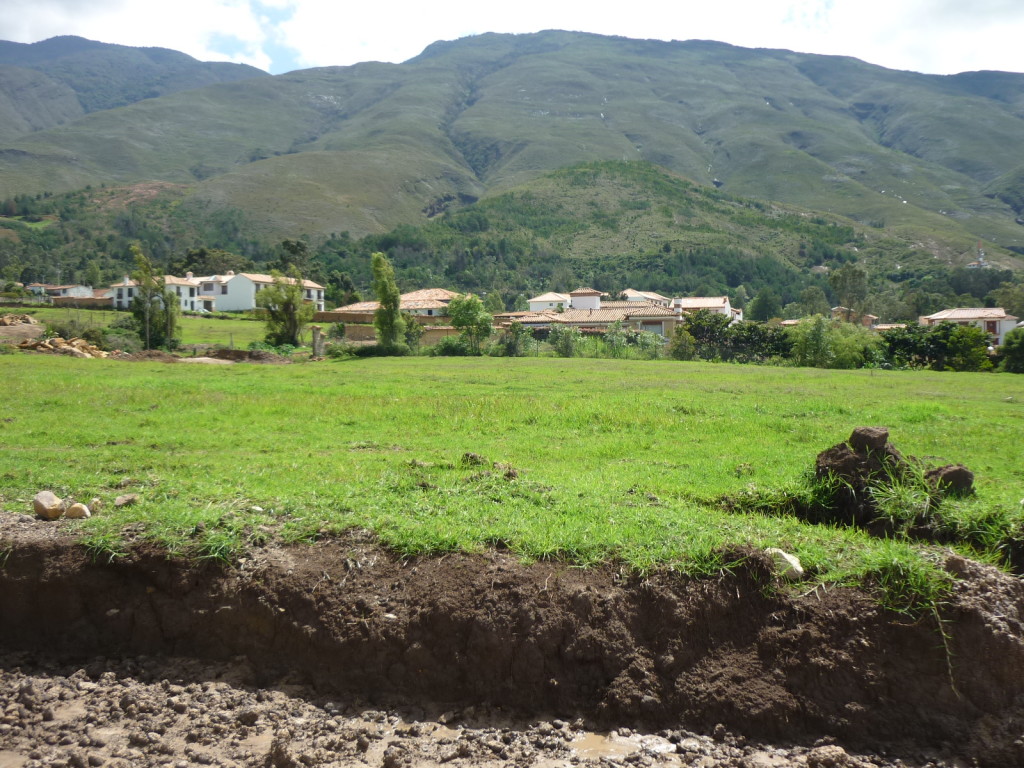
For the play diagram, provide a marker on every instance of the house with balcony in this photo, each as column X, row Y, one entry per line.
column 993, row 320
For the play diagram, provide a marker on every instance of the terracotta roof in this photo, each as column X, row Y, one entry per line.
column 431, row 294
column 172, row 280
column 552, row 296
column 426, row 298
column 630, row 305
column 603, row 315
column 585, row 292
column 268, row 279
column 971, row 313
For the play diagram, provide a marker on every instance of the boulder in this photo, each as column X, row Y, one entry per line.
column 127, row 500
column 48, row 505
column 830, row 756
column 786, row 565
column 77, row 511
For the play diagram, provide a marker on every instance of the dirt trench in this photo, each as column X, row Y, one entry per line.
column 550, row 640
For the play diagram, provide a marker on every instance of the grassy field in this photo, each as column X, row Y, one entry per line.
column 194, row 330
column 578, row 459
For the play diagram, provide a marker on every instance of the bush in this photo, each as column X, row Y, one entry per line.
column 380, row 350
column 451, row 346
column 129, row 344
column 339, row 351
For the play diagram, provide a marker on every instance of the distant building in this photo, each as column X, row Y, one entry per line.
column 993, row 320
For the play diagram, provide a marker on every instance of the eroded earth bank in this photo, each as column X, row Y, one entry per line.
column 337, row 653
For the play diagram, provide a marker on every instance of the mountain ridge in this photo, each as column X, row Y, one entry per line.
column 372, row 146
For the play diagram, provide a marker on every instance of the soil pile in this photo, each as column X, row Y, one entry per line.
column 663, row 652
column 72, row 347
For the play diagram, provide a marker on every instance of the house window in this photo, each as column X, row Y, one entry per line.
column 191, row 294
column 120, row 294
column 131, row 291
column 223, row 290
column 178, row 290
column 991, row 326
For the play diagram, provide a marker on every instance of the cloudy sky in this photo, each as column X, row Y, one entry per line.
column 935, row 36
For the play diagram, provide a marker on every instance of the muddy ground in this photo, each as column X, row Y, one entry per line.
column 340, row 654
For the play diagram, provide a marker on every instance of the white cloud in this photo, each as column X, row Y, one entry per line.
column 925, row 35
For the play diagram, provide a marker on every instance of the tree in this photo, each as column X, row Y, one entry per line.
column 471, row 319
column 388, row 318
column 286, row 313
column 515, row 339
column 565, row 339
column 813, row 301
column 850, row 284
column 615, row 338
column 1013, row 351
column 682, row 346
column 765, row 306
column 709, row 332
column 1010, row 296
column 968, row 349
column 93, row 275
column 154, row 307
column 811, row 343
column 493, row 303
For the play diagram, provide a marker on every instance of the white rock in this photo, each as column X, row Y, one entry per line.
column 787, row 565
column 77, row 512
column 48, row 505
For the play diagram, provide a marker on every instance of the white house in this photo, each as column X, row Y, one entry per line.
column 993, row 320
column 719, row 304
column 585, row 298
column 549, row 301
column 237, row 292
column 186, row 290
column 647, row 296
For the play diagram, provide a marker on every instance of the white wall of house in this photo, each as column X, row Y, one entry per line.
column 546, row 306
column 585, row 301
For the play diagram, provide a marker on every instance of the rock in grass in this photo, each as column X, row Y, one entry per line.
column 127, row 500
column 952, row 479
column 48, row 505
column 78, row 511
column 786, row 565
column 869, row 439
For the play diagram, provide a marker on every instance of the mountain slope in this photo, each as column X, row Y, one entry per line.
column 369, row 147
column 99, row 76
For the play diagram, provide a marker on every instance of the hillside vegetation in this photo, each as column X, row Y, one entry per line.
column 365, row 148
column 56, row 81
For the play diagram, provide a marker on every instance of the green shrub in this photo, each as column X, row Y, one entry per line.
column 451, row 346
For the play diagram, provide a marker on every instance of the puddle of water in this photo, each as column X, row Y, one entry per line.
column 596, row 745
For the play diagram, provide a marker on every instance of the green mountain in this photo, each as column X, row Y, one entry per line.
column 363, row 149
column 59, row 80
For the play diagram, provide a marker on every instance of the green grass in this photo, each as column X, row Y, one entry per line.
column 194, row 330
column 621, row 460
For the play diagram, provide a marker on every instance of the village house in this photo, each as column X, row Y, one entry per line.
column 586, row 309
column 549, row 301
column 646, row 296
column 55, row 291
column 847, row 315
column 233, row 292
column 123, row 294
column 993, row 320
column 426, row 302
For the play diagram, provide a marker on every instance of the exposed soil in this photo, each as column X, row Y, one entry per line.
column 275, row 662
column 15, row 334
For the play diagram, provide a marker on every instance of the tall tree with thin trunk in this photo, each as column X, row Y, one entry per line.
column 388, row 318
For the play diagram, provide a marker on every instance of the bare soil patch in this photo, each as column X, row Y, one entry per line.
column 485, row 635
